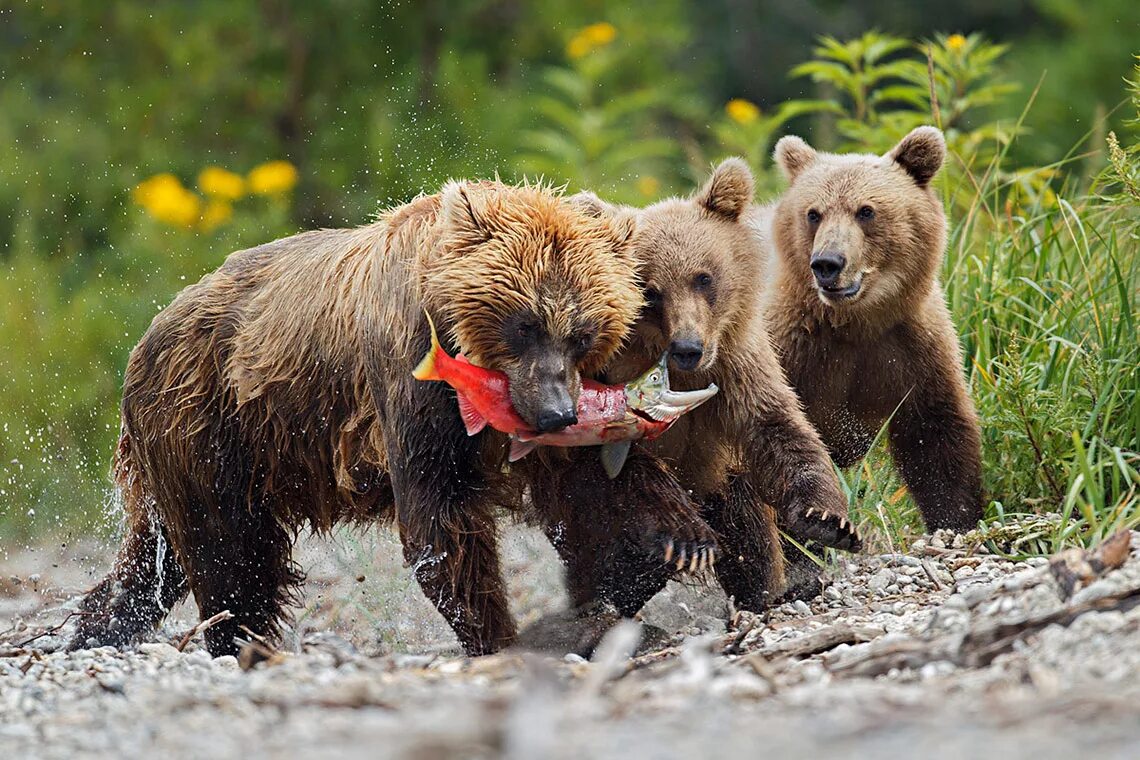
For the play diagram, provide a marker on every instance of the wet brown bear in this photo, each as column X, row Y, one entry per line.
column 277, row 393
column 699, row 257
column 858, row 317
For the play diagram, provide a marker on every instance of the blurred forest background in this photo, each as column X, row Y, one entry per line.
column 142, row 142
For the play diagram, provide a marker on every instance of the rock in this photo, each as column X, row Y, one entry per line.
column 880, row 580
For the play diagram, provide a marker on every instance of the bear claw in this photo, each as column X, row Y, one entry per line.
column 689, row 558
column 828, row 529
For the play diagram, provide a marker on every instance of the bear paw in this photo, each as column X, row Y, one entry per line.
column 675, row 534
column 826, row 528
column 690, row 554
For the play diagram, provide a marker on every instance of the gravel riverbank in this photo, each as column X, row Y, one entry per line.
column 944, row 652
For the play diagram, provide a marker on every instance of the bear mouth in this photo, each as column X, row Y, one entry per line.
column 842, row 293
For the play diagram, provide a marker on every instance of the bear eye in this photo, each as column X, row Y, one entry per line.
column 813, row 216
column 703, row 281
column 526, row 329
column 582, row 342
column 652, row 297
column 865, row 214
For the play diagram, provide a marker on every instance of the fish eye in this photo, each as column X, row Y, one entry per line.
column 655, row 377
column 865, row 214
column 813, row 216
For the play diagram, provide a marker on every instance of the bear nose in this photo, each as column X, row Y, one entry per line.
column 686, row 353
column 827, row 265
column 551, row 420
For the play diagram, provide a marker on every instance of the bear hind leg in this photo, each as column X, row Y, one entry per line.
column 242, row 565
column 145, row 583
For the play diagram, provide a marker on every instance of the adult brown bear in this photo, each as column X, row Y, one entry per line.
column 277, row 393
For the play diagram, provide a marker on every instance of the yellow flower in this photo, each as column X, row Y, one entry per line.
column 578, row 46
column 742, row 111
column 216, row 214
column 648, row 186
column 221, row 183
column 591, row 38
column 955, row 43
column 273, row 178
column 599, row 34
column 164, row 198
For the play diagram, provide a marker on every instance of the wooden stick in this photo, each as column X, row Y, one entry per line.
column 204, row 625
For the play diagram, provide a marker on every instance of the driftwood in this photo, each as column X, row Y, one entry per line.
column 823, row 640
column 1074, row 568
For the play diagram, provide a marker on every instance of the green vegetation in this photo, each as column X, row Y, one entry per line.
column 124, row 178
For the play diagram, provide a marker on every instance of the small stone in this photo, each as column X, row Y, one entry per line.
column 965, row 571
column 880, row 580
column 801, row 607
column 158, row 650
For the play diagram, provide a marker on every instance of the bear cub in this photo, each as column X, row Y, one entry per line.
column 854, row 306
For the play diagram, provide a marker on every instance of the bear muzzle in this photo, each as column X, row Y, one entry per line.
column 828, row 266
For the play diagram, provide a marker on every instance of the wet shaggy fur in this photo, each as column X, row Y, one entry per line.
column 890, row 351
column 748, row 450
column 277, row 394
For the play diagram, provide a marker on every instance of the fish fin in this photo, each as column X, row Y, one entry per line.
column 426, row 369
column 520, row 449
column 614, row 456
column 472, row 419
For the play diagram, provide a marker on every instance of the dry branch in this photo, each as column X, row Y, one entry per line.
column 203, row 626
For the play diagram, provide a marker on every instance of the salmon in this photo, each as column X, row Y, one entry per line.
column 610, row 416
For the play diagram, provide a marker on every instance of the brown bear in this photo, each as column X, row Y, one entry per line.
column 854, row 307
column 699, row 260
column 277, row 394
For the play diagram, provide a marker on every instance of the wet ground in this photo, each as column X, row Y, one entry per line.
column 945, row 652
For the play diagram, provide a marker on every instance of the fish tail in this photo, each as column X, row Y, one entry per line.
column 426, row 369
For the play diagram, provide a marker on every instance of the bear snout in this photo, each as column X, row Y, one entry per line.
column 552, row 419
column 827, row 266
column 686, row 353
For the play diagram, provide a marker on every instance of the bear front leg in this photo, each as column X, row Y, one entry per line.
column 936, row 445
column 785, row 459
column 750, row 567
column 444, row 515
column 621, row 539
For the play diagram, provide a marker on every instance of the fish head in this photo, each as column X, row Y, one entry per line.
column 651, row 396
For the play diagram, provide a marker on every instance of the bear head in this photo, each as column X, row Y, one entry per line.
column 698, row 261
column 534, row 286
column 862, row 234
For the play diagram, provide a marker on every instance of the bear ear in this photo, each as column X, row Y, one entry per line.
column 623, row 225
column 622, row 221
column 729, row 190
column 465, row 209
column 920, row 153
column 793, row 155
column 591, row 205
